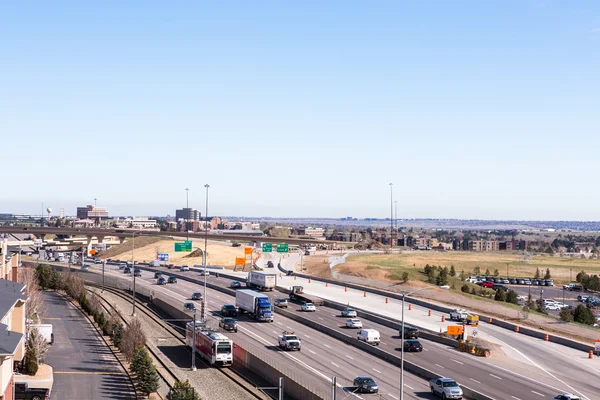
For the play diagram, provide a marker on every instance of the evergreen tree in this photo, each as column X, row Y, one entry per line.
column 477, row 270
column 538, row 274
column 511, row 297
column 583, row 315
column 580, row 276
column 117, row 334
column 500, row 295
column 547, row 275
column 182, row 391
column 487, row 272
column 452, row 271
column 496, row 272
column 565, row 315
column 147, row 376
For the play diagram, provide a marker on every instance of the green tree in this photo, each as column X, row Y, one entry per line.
column 581, row 276
column 511, row 297
column 182, row 391
column 117, row 334
column 431, row 275
column 462, row 275
column 500, row 295
column 464, row 288
column 44, row 276
column 487, row 272
column 477, row 270
column 538, row 274
column 496, row 272
column 565, row 315
column 146, row 373
column 452, row 271
column 405, row 277
column 547, row 274
column 540, row 307
column 583, row 315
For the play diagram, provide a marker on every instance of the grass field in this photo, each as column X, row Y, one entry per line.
column 561, row 268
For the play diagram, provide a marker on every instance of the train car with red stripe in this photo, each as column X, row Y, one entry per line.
column 214, row 347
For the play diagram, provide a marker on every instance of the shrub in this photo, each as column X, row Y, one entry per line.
column 511, row 297
column 465, row 288
column 583, row 315
column 473, row 290
column 116, row 335
column 500, row 295
column 182, row 391
column 133, row 337
column 405, row 277
column 565, row 315
column 580, row 276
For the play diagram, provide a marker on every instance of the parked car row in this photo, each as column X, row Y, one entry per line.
column 510, row 281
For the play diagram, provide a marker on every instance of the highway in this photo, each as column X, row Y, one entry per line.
column 322, row 357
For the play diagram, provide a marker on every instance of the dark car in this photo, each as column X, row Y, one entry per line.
column 172, row 279
column 235, row 285
column 189, row 306
column 228, row 310
column 497, row 286
column 365, row 384
column 548, row 282
column 521, row 281
column 24, row 392
column 161, row 281
column 412, row 345
column 196, row 296
column 409, row 333
column 137, row 273
column 157, row 275
column 513, row 281
column 229, row 324
column 235, row 244
column 270, row 264
column 126, row 270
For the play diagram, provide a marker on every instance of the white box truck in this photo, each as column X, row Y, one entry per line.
column 261, row 280
column 255, row 304
column 45, row 331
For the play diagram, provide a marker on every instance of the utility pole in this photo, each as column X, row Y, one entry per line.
column 103, row 265
column 391, row 213
column 187, row 209
column 333, row 386
column 133, row 272
column 194, row 342
column 204, row 254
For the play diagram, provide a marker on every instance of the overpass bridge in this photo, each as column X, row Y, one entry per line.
column 122, row 234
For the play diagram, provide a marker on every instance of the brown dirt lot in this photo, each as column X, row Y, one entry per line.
column 218, row 254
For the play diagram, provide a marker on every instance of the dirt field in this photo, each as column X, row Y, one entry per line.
column 218, row 254
column 391, row 266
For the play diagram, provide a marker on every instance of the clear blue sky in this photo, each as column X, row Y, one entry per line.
column 473, row 109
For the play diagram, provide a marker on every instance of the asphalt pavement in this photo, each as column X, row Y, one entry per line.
column 84, row 367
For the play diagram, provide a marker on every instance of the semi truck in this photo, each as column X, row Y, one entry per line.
column 297, row 294
column 261, row 280
column 255, row 304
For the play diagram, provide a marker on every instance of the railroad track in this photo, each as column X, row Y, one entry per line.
column 147, row 311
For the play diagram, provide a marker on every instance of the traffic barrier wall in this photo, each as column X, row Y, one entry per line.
column 384, row 355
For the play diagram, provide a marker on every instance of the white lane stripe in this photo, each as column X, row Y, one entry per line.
column 349, row 357
column 326, row 345
column 320, row 318
column 334, row 364
column 438, row 365
column 411, row 388
column 312, row 351
column 425, row 350
column 538, row 393
column 516, row 398
column 494, row 376
column 474, row 380
column 376, row 370
column 458, row 362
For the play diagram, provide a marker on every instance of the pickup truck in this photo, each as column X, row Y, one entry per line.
column 458, row 315
column 446, row 387
column 24, row 392
column 289, row 341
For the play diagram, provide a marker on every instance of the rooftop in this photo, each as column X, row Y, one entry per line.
column 9, row 341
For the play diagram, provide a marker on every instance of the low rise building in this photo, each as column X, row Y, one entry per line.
column 12, row 333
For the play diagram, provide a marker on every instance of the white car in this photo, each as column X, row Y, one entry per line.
column 184, row 268
column 308, row 307
column 349, row 312
column 354, row 323
column 566, row 396
column 552, row 307
column 521, row 298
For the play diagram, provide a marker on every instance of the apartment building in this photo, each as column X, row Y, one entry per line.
column 12, row 333
column 484, row 245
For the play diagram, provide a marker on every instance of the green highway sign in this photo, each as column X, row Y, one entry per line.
column 183, row 246
column 267, row 247
column 282, row 248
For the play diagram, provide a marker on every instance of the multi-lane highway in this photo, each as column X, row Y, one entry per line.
column 495, row 377
column 321, row 358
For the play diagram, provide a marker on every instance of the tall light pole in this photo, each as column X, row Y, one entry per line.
column 95, row 202
column 194, row 342
column 133, row 271
column 42, row 219
column 204, row 254
column 391, row 213
column 187, row 209
column 402, row 335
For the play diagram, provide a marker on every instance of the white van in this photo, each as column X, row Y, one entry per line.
column 370, row 336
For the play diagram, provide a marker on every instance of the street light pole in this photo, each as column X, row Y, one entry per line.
column 133, row 272
column 103, row 265
column 194, row 342
column 204, row 258
column 391, row 212
column 402, row 336
column 187, row 209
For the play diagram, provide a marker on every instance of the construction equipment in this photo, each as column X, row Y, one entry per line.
column 298, row 294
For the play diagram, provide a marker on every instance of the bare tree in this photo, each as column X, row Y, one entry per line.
column 34, row 310
column 94, row 303
column 133, row 337
column 38, row 343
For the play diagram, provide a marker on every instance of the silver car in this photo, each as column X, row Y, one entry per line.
column 446, row 387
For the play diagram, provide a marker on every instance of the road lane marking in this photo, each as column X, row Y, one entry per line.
column 290, row 328
column 425, row 350
column 494, row 376
column 439, row 365
column 516, row 398
column 312, row 351
column 320, row 318
column 326, row 345
column 474, row 380
column 376, row 370
column 334, row 364
column 349, row 357
column 274, row 332
column 306, row 336
column 538, row 393
column 458, row 362
column 392, row 396
column 88, row 373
